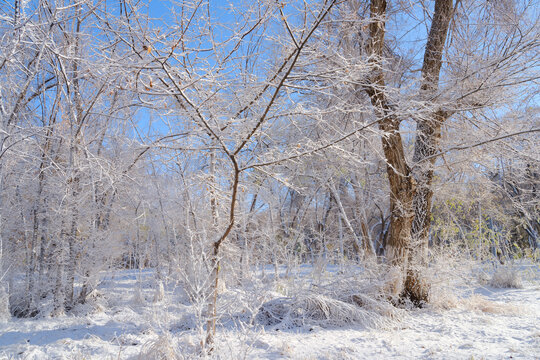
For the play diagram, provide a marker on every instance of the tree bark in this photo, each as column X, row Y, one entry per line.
column 428, row 134
column 428, row 130
column 410, row 193
column 215, row 260
column 402, row 184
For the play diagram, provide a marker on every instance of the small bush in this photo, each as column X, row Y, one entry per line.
column 159, row 293
column 162, row 348
column 506, row 277
column 321, row 310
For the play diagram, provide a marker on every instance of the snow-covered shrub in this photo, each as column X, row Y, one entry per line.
column 443, row 297
column 138, row 297
column 95, row 302
column 506, row 277
column 275, row 312
column 449, row 268
column 392, row 283
column 20, row 307
column 162, row 348
column 321, row 310
column 379, row 306
column 351, row 296
column 159, row 293
column 186, row 323
column 329, row 311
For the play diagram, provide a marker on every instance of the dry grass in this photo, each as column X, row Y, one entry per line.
column 162, row 348
column 480, row 303
column 356, row 298
column 506, row 277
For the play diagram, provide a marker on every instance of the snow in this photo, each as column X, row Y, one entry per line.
column 477, row 321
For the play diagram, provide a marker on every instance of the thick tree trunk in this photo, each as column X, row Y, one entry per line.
column 427, row 142
column 402, row 185
column 428, row 130
column 407, row 203
column 428, row 134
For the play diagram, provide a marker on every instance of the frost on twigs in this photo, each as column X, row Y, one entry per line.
column 96, row 302
column 4, row 306
column 159, row 293
column 138, row 297
column 392, row 283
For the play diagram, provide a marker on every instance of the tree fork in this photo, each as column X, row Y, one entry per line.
column 428, row 134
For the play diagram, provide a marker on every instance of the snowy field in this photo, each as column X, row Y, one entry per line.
column 468, row 319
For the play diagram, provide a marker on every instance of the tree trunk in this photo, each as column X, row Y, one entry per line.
column 428, row 134
column 406, row 203
column 368, row 250
column 72, row 261
column 428, row 130
column 212, row 303
column 58, row 292
column 402, row 185
column 361, row 218
column 215, row 261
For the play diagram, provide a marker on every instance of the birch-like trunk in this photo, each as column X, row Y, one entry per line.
column 58, row 255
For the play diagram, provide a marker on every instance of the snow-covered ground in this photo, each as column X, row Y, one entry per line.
column 467, row 321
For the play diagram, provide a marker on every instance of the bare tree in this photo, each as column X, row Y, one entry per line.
column 437, row 99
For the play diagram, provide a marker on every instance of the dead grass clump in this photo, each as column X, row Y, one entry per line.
column 321, row 310
column 328, row 311
column 443, row 297
column 381, row 307
column 480, row 303
column 506, row 277
column 276, row 312
column 162, row 348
